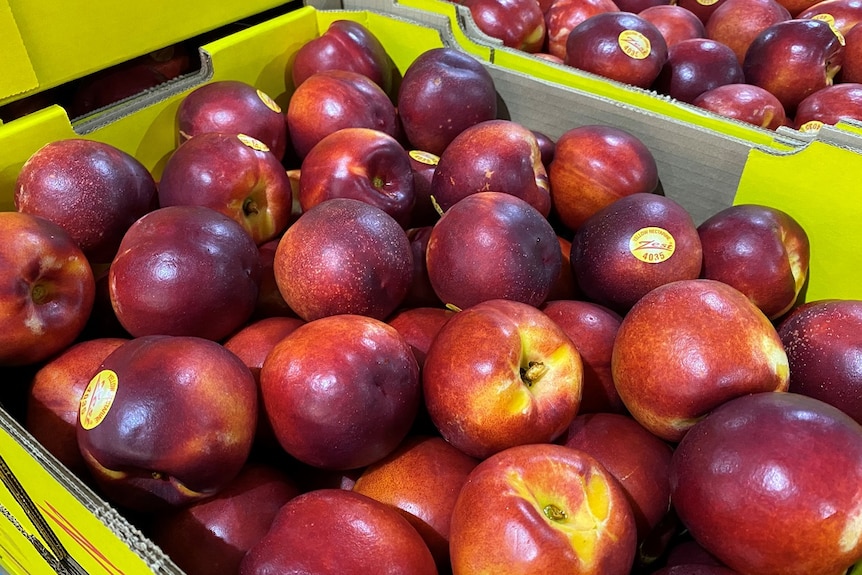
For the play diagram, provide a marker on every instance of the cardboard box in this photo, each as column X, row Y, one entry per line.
column 44, row 44
column 704, row 169
column 473, row 40
column 706, row 161
column 97, row 539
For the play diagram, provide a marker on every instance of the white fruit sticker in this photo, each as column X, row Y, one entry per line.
column 634, row 44
column 97, row 398
column 270, row 103
column 652, row 245
column 706, row 2
column 253, row 143
column 423, row 157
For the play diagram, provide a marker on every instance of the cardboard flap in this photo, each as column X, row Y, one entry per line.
column 816, row 186
column 18, row 76
column 46, row 44
column 70, row 509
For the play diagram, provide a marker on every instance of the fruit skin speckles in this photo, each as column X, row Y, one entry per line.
column 47, row 289
column 587, row 524
column 91, row 189
column 668, row 377
column 344, row 256
column 477, row 252
column 443, row 92
column 501, row 373
column 822, row 340
column 732, row 468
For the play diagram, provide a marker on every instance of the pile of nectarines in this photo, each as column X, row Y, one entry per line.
column 386, row 331
column 770, row 63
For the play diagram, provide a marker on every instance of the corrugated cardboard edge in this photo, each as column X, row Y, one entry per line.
column 703, row 187
column 151, row 554
column 128, row 106
column 680, row 149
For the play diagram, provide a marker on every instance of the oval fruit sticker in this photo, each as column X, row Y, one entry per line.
column 652, row 245
column 634, row 44
column 270, row 103
column 253, row 143
column 811, row 126
column 97, row 398
column 423, row 157
column 830, row 19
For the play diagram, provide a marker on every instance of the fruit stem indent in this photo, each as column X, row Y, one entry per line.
column 39, row 293
column 553, row 512
column 249, row 207
column 533, row 372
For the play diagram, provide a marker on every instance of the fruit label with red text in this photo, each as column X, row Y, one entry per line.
column 97, row 398
column 634, row 44
column 652, row 245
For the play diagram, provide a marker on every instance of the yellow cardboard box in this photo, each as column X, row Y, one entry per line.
column 93, row 537
column 704, row 169
column 45, row 43
column 471, row 39
column 82, row 531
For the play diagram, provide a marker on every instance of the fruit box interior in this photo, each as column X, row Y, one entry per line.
column 703, row 168
column 704, row 165
column 707, row 161
column 44, row 44
column 473, row 40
